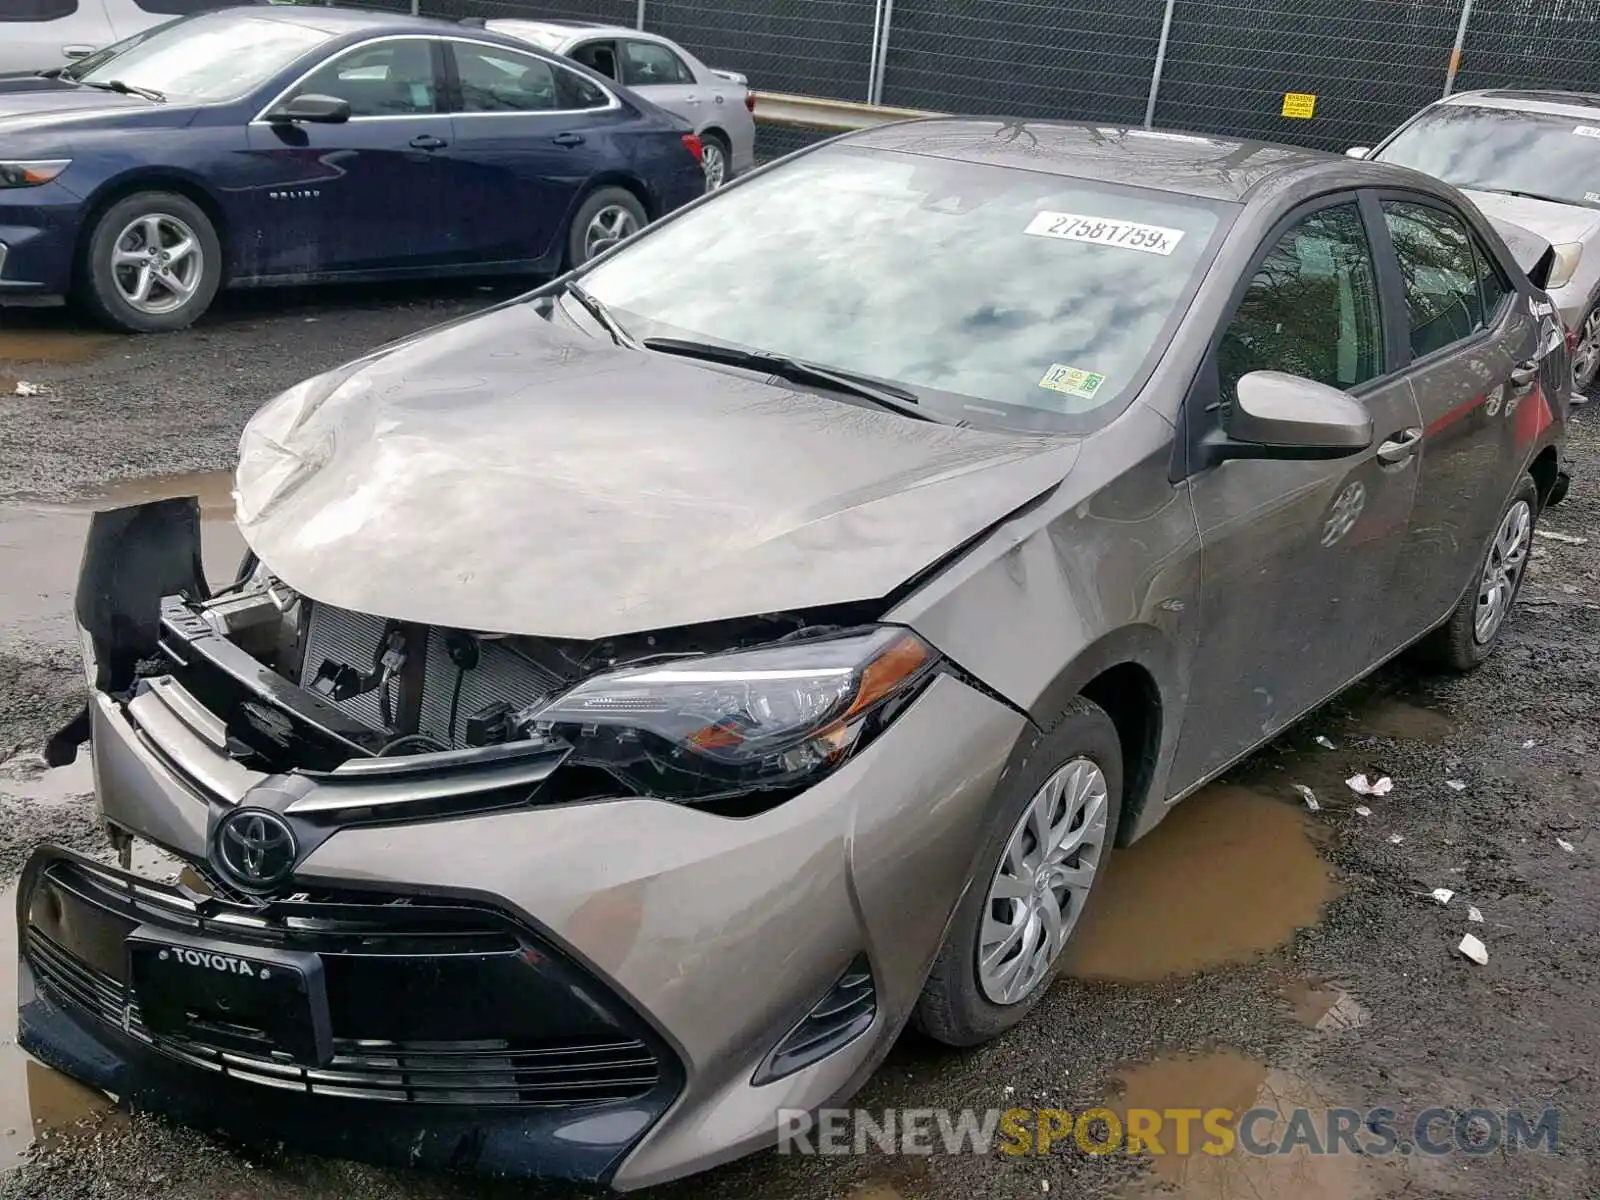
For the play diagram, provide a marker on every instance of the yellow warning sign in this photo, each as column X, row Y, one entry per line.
column 1301, row 105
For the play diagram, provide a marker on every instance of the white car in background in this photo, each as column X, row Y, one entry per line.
column 718, row 104
column 36, row 35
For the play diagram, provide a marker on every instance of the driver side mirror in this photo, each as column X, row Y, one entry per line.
column 1286, row 417
column 310, row 109
column 1358, row 151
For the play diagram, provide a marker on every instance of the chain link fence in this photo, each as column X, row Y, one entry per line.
column 1323, row 73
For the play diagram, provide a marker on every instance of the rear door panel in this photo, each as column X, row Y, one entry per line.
column 1462, row 377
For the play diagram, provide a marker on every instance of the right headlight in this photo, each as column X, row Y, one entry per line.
column 778, row 717
column 1568, row 255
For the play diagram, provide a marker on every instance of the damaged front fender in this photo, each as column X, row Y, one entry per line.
column 132, row 557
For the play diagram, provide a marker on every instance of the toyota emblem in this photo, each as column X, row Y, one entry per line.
column 255, row 848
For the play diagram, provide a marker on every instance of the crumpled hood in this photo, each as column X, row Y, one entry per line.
column 1557, row 222
column 505, row 476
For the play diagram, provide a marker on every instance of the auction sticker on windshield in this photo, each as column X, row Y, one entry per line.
column 1101, row 231
column 1587, row 131
column 1071, row 381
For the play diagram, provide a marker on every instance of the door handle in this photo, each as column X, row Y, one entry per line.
column 1400, row 447
column 426, row 141
column 1525, row 373
column 77, row 51
column 691, row 100
column 568, row 139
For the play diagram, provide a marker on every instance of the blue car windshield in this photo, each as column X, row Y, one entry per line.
column 999, row 296
column 208, row 60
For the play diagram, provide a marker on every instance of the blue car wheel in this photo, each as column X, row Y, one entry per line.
column 153, row 263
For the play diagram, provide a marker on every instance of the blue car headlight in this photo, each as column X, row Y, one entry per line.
column 779, row 717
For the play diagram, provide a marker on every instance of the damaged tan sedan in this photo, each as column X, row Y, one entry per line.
column 646, row 697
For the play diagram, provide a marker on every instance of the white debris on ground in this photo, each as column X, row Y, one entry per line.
column 1529, row 744
column 1456, row 785
column 1362, row 786
column 1396, row 838
column 1566, row 539
column 1326, row 743
column 1308, row 795
column 1474, row 914
column 1566, row 845
column 1474, row 949
column 24, row 388
column 1363, row 811
column 1442, row 895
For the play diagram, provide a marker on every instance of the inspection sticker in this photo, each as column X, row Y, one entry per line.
column 1072, row 382
column 1587, row 131
column 1101, row 231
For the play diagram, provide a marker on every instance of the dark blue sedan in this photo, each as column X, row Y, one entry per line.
column 273, row 145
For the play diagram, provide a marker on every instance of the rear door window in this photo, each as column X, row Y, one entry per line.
column 1444, row 298
column 650, row 64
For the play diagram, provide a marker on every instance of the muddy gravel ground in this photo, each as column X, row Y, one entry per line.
column 1249, row 952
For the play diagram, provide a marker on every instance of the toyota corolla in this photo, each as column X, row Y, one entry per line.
column 645, row 698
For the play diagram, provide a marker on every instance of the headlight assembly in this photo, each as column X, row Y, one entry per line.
column 31, row 173
column 779, row 717
column 1568, row 255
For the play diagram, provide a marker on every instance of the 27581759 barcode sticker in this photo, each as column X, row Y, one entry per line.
column 1102, row 231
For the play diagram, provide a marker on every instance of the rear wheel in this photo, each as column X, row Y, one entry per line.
column 1046, row 848
column 610, row 214
column 717, row 159
column 1474, row 629
column 152, row 264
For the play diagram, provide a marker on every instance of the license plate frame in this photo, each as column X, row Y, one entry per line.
column 253, row 999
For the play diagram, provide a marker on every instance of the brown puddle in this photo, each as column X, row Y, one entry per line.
column 49, row 538
column 1227, row 1080
column 1228, row 876
column 60, row 346
column 1397, row 719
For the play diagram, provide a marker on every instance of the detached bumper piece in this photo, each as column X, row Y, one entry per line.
column 409, row 1029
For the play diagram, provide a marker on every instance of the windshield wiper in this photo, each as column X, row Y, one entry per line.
column 1533, row 196
column 795, row 370
column 124, row 89
column 602, row 316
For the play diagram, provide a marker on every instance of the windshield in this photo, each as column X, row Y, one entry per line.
column 218, row 57
column 1497, row 150
column 1001, row 297
column 89, row 62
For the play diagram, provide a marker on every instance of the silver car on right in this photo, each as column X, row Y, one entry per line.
column 1531, row 158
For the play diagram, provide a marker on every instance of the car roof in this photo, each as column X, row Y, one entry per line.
column 570, row 29
column 1529, row 100
column 336, row 21
column 1214, row 168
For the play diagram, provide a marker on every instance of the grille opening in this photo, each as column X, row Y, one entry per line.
column 843, row 1014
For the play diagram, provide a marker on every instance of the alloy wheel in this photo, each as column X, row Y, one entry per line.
column 715, row 163
column 1507, row 558
column 157, row 264
column 1586, row 353
column 611, row 223
column 1039, row 889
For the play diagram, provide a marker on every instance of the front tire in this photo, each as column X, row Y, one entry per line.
column 611, row 212
column 1586, row 353
column 1046, row 848
column 153, row 264
column 1473, row 631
